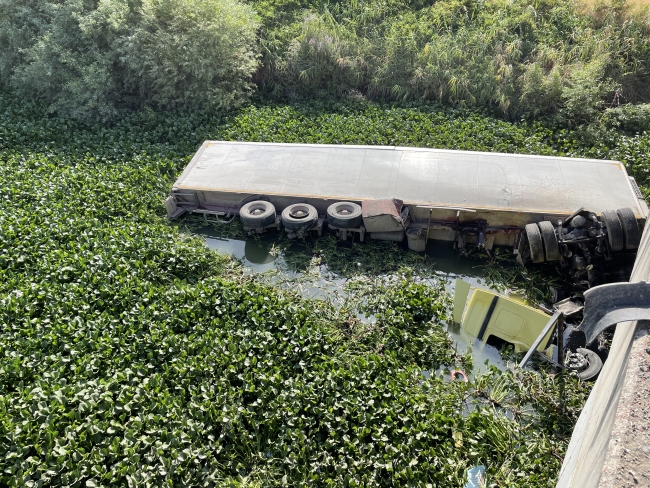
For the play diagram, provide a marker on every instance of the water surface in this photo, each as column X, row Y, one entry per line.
column 259, row 256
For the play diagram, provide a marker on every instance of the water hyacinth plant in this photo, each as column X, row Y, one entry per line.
column 131, row 354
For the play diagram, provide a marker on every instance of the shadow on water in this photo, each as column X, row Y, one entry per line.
column 251, row 252
column 321, row 267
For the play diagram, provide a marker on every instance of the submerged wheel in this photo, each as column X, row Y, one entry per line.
column 257, row 214
column 535, row 243
column 299, row 216
column 586, row 364
column 344, row 215
column 614, row 230
column 630, row 228
column 551, row 247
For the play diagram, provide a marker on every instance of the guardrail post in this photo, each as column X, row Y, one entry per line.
column 560, row 339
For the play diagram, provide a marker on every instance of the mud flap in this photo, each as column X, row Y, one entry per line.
column 608, row 305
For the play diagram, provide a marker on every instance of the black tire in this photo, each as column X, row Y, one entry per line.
column 630, row 228
column 257, row 214
column 535, row 243
column 299, row 216
column 594, row 367
column 344, row 215
column 614, row 230
column 575, row 341
column 551, row 247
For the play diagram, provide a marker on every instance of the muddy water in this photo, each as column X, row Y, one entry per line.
column 254, row 254
column 251, row 253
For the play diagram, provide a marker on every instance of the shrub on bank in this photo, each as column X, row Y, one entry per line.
column 547, row 59
column 628, row 118
column 95, row 60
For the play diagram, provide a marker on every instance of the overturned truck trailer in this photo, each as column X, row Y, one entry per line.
column 465, row 197
column 460, row 196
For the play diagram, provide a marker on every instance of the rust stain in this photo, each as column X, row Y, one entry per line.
column 388, row 206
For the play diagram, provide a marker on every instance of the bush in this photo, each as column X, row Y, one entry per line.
column 325, row 58
column 193, row 53
column 92, row 61
column 520, row 60
column 21, row 22
column 629, row 118
column 74, row 64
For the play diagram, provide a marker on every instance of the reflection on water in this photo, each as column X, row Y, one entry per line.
column 449, row 263
column 254, row 254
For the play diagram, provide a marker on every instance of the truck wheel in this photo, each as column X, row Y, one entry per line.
column 630, row 228
column 299, row 216
column 257, row 214
column 589, row 370
column 614, row 230
column 551, row 247
column 344, row 215
column 535, row 243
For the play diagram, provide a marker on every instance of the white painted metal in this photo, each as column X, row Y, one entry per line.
column 473, row 180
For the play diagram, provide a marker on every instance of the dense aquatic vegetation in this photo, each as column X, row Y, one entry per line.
column 130, row 353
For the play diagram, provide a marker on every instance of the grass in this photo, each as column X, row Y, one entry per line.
column 633, row 7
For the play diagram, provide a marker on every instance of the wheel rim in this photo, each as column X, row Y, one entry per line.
column 299, row 212
column 256, row 210
column 344, row 210
column 577, row 362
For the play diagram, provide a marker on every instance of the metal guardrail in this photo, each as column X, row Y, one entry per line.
column 588, row 449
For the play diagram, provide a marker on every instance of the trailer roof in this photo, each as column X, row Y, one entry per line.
column 482, row 180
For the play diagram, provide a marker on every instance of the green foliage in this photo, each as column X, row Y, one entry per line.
column 407, row 320
column 532, row 284
column 540, row 91
column 93, row 60
column 74, row 63
column 520, row 59
column 629, row 118
column 193, row 54
column 132, row 354
column 324, row 58
column 584, row 94
column 547, row 59
column 21, row 21
column 368, row 258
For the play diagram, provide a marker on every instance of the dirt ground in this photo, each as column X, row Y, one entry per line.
column 628, row 457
